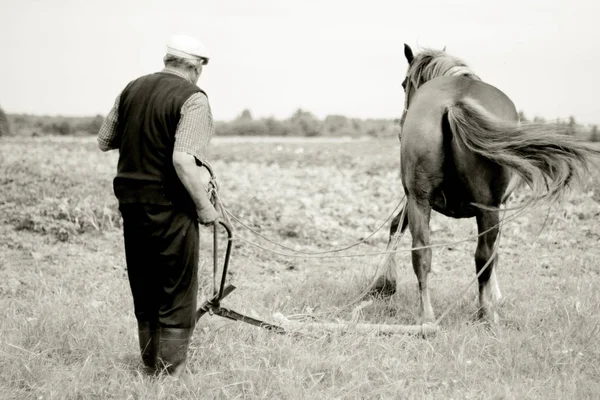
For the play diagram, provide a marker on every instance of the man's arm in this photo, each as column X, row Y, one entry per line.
column 195, row 180
column 195, row 128
column 107, row 136
column 194, row 131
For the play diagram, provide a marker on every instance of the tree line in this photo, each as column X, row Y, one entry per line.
column 300, row 123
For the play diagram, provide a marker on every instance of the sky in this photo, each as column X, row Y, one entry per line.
column 68, row 57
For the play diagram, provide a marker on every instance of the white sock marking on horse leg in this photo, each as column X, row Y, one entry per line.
column 496, row 293
column 427, row 314
column 487, row 303
column 391, row 273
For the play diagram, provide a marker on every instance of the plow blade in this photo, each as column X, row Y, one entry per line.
column 213, row 307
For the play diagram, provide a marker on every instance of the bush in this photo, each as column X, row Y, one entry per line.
column 242, row 128
column 90, row 126
column 594, row 135
column 58, row 128
column 4, row 124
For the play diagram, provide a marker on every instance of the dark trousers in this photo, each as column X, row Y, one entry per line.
column 161, row 249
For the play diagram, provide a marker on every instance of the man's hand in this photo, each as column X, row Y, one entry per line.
column 208, row 215
column 195, row 180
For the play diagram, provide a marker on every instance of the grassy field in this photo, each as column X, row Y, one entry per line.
column 68, row 330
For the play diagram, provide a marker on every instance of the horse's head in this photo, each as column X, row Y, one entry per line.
column 407, row 85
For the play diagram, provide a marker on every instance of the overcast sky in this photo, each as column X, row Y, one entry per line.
column 273, row 56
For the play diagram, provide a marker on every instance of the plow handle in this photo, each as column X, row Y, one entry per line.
column 220, row 293
column 227, row 257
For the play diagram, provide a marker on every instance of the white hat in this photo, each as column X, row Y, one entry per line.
column 184, row 46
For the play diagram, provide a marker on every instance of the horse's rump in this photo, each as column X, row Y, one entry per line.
column 435, row 162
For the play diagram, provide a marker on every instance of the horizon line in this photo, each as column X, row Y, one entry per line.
column 74, row 116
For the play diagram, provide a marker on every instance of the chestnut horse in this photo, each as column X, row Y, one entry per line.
column 463, row 151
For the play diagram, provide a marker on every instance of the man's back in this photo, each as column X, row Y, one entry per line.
column 149, row 113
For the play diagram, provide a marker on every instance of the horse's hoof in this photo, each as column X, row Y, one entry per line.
column 382, row 288
column 489, row 317
column 427, row 318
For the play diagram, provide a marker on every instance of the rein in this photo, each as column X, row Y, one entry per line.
column 328, row 253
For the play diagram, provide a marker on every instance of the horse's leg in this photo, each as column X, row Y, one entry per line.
column 489, row 292
column 385, row 282
column 419, row 212
column 496, row 293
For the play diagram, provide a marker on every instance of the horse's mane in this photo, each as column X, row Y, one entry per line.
column 429, row 64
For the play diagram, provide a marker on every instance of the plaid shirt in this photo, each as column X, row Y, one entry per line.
column 194, row 130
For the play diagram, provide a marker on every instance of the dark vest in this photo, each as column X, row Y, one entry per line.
column 149, row 111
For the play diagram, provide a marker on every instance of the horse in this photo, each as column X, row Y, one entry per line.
column 463, row 152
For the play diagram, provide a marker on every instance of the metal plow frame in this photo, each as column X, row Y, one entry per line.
column 213, row 306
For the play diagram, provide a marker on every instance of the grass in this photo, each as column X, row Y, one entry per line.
column 68, row 330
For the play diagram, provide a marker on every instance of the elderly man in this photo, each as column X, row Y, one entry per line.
column 162, row 123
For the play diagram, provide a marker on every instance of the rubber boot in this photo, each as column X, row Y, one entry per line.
column 149, row 334
column 172, row 350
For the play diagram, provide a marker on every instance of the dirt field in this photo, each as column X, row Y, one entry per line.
column 68, row 331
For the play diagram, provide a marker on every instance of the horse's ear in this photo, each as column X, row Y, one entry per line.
column 408, row 53
column 444, row 49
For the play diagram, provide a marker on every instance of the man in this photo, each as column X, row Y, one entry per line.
column 162, row 123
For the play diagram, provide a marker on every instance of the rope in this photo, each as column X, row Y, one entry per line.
column 321, row 255
column 337, row 250
column 214, row 193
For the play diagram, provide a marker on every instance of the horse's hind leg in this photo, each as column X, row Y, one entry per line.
column 419, row 213
column 489, row 292
column 385, row 282
column 495, row 287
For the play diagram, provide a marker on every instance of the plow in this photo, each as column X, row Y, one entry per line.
column 213, row 305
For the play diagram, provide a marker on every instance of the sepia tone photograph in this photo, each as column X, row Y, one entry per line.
column 316, row 199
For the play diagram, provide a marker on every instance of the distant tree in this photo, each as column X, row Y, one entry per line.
column 4, row 125
column 380, row 128
column 300, row 114
column 522, row 117
column 89, row 125
column 58, row 128
column 277, row 128
column 242, row 128
column 594, row 135
column 338, row 125
column 308, row 124
column 94, row 125
column 572, row 126
column 357, row 125
column 245, row 116
column 539, row 120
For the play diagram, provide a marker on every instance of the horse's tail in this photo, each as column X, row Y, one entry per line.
column 543, row 155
